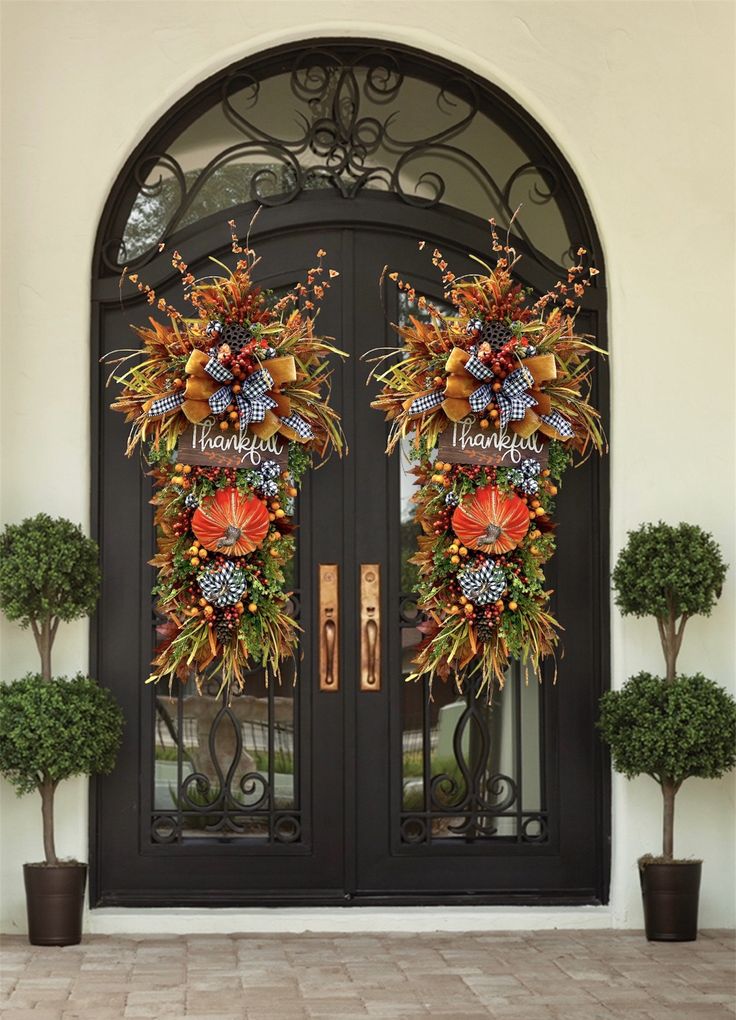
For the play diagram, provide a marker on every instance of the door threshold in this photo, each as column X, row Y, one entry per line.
column 297, row 920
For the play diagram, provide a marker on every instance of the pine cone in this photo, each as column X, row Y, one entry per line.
column 224, row 630
column 485, row 629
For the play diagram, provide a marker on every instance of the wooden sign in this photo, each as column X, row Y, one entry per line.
column 465, row 442
column 209, row 446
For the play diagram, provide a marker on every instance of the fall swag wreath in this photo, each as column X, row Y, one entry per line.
column 492, row 404
column 233, row 404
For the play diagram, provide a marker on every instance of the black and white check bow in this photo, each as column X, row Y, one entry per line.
column 222, row 586
column 513, row 398
column 525, row 477
column 483, row 584
column 299, row 425
column 252, row 401
column 427, row 402
column 165, row 404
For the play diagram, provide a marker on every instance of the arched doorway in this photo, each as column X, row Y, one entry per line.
column 297, row 794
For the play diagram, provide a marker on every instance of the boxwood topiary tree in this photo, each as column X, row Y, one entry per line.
column 49, row 571
column 680, row 726
column 670, row 573
column 51, row 730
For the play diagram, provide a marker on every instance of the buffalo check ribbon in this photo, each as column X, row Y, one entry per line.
column 513, row 398
column 559, row 423
column 297, row 424
column 252, row 401
column 165, row 404
column 260, row 405
column 522, row 403
column 426, row 402
column 215, row 369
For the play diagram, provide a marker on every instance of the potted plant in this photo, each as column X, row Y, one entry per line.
column 52, row 728
column 671, row 727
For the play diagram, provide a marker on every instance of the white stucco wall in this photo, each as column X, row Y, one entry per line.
column 639, row 96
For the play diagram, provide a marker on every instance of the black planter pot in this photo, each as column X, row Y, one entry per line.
column 670, row 894
column 55, row 902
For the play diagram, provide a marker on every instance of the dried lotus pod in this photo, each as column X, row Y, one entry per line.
column 236, row 335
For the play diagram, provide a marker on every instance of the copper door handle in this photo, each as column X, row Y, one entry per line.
column 371, row 637
column 370, row 626
column 329, row 627
column 329, row 640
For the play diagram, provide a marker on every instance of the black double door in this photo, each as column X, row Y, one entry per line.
column 354, row 787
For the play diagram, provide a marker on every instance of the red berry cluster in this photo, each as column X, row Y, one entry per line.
column 491, row 614
column 182, row 523
column 244, row 362
column 442, row 521
column 225, row 621
column 473, row 471
column 214, row 474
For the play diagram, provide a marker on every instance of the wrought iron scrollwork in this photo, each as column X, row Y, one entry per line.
column 408, row 611
column 477, row 796
column 234, row 763
column 213, row 804
column 347, row 107
column 468, row 797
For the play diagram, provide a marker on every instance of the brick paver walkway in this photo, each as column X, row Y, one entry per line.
column 518, row 976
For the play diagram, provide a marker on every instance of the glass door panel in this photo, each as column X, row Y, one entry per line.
column 225, row 766
column 470, row 770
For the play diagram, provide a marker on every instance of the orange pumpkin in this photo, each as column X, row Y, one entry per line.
column 230, row 523
column 491, row 521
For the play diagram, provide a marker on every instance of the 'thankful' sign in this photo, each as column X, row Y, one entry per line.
column 465, row 442
column 209, row 446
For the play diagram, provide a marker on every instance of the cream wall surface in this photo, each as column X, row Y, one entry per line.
column 639, row 96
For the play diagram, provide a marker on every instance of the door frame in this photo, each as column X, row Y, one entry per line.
column 311, row 213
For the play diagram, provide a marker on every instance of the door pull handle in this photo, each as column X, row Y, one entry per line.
column 371, row 636
column 370, row 626
column 329, row 639
column 329, row 627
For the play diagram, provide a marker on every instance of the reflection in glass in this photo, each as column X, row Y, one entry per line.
column 226, row 766
column 408, row 526
column 471, row 770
